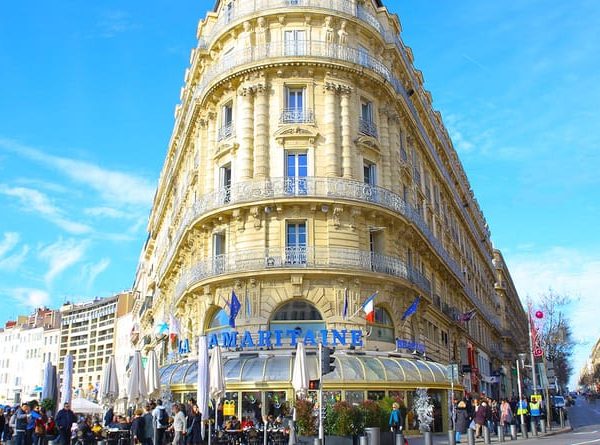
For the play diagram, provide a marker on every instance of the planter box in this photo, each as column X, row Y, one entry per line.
column 387, row 438
column 341, row 440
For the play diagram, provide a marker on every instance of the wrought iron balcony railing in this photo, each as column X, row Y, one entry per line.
column 368, row 127
column 304, row 257
column 225, row 132
column 297, row 116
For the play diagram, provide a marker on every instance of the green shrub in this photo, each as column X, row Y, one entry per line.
column 306, row 421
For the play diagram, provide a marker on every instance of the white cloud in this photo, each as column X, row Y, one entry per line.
column 107, row 212
column 11, row 262
column 114, row 186
column 31, row 298
column 568, row 272
column 11, row 239
column 34, row 201
column 92, row 270
column 61, row 255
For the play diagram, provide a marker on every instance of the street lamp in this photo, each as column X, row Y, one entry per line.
column 520, row 360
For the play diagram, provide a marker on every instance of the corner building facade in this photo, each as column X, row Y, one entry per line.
column 307, row 170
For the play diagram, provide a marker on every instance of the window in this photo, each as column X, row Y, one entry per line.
column 296, row 169
column 226, row 129
column 366, row 124
column 369, row 173
column 383, row 327
column 229, row 15
column 298, row 315
column 295, row 243
column 295, row 43
column 295, row 107
column 219, row 252
column 225, row 184
column 363, row 55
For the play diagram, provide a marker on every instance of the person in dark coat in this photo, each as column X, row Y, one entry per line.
column 461, row 421
column 194, row 426
column 109, row 415
column 65, row 418
column 480, row 418
column 138, row 432
column 148, row 425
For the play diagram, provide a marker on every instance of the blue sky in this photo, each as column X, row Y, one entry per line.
column 86, row 111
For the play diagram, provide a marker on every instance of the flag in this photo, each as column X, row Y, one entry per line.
column 173, row 328
column 467, row 316
column 411, row 309
column 369, row 307
column 234, row 308
column 345, row 310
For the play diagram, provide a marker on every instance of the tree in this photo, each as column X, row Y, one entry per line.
column 556, row 336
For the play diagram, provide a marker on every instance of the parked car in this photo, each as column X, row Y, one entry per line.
column 558, row 401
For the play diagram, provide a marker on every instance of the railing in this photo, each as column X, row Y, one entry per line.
column 225, row 132
column 299, row 257
column 368, row 127
column 296, row 116
column 147, row 305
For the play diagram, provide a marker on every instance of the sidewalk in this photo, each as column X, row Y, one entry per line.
column 442, row 438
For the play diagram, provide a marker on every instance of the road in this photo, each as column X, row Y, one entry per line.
column 583, row 417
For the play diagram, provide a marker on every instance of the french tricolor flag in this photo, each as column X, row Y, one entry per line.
column 369, row 307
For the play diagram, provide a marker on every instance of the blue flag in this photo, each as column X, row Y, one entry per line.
column 234, row 308
column 411, row 309
column 345, row 310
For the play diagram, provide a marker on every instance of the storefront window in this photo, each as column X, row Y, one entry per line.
column 375, row 395
column 276, row 403
column 251, row 406
column 398, row 396
column 355, row 397
column 331, row 397
column 298, row 315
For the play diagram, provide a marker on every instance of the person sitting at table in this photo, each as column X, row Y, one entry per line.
column 247, row 423
column 233, row 424
column 97, row 429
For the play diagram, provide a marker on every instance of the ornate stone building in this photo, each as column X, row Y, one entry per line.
column 308, row 170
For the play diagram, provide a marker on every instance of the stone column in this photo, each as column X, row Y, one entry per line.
column 261, row 131
column 210, row 152
column 330, row 130
column 384, row 137
column 246, row 125
column 200, row 148
column 346, row 93
column 395, row 155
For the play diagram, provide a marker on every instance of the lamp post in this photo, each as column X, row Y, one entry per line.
column 523, row 426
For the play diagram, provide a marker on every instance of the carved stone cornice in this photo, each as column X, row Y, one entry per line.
column 296, row 131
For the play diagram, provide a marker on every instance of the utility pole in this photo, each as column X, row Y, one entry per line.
column 321, row 430
column 533, row 370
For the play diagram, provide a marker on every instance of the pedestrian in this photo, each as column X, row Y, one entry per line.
column 396, row 422
column 108, row 417
column 461, row 421
column 480, row 417
column 178, row 427
column 535, row 411
column 137, row 427
column 39, row 427
column 2, row 425
column 505, row 415
column 21, row 418
column 161, row 422
column 65, row 418
column 34, row 414
column 148, row 425
column 194, row 426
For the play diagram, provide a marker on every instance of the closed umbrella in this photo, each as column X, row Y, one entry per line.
column 216, row 380
column 153, row 375
column 202, row 387
column 136, row 388
column 47, row 385
column 66, row 392
column 300, row 372
column 109, row 385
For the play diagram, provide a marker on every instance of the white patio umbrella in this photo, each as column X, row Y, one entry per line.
column 136, row 388
column 84, row 406
column 300, row 372
column 216, row 380
column 66, row 392
column 47, row 385
column 109, row 385
column 202, row 387
column 153, row 375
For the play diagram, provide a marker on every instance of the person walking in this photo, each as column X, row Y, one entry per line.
column 179, row 428
column 65, row 418
column 161, row 422
column 506, row 415
column 148, row 425
column 21, row 418
column 138, row 432
column 461, row 421
column 480, row 417
column 535, row 411
column 194, row 426
column 39, row 426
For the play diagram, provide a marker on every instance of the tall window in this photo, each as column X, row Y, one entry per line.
column 375, row 248
column 226, row 130
column 295, row 42
column 366, row 124
column 383, row 328
column 298, row 315
column 295, row 107
column 296, row 169
column 219, row 251
column 229, row 15
column 363, row 55
column 225, row 183
column 369, row 173
column 295, row 243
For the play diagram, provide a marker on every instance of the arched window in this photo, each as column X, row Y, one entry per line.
column 299, row 315
column 383, row 327
column 219, row 323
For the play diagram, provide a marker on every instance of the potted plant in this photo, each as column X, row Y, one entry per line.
column 342, row 423
column 306, row 421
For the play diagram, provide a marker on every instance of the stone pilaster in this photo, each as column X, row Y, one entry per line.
column 210, row 152
column 330, row 130
column 395, row 155
column 261, row 131
column 346, row 93
column 246, row 117
column 384, row 137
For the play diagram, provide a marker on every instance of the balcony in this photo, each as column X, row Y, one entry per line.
column 225, row 132
column 305, row 257
column 367, row 127
column 296, row 116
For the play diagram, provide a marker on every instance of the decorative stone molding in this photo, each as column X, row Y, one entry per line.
column 296, row 132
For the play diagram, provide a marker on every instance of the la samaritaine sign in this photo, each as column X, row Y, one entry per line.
column 280, row 338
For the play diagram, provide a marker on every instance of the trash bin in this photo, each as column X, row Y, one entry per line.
column 373, row 435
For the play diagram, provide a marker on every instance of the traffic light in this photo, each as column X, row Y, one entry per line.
column 327, row 360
